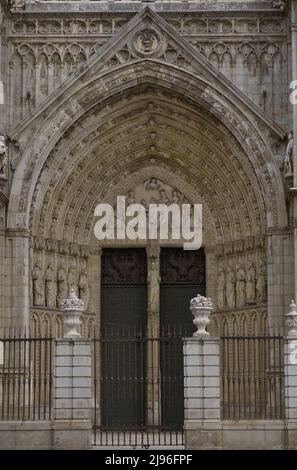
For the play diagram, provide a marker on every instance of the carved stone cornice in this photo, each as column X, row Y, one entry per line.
column 175, row 6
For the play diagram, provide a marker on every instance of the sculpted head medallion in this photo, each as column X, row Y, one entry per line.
column 147, row 42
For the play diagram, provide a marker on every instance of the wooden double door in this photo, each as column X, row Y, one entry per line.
column 125, row 347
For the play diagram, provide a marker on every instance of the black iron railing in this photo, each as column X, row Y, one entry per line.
column 26, row 372
column 252, row 377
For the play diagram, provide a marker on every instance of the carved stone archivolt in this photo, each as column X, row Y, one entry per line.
column 271, row 200
column 165, row 137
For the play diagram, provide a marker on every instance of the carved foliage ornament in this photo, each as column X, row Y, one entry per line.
column 73, row 303
column 201, row 301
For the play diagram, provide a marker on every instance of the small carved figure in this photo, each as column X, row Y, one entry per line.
column 250, row 284
column 72, row 279
column 289, row 154
column 221, row 288
column 153, row 286
column 83, row 287
column 62, row 285
column 38, row 285
column 230, row 288
column 50, row 286
column 240, row 286
column 261, row 286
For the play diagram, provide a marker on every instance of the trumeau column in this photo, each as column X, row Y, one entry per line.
column 153, row 328
column 153, row 298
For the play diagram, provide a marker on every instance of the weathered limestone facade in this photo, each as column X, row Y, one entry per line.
column 187, row 99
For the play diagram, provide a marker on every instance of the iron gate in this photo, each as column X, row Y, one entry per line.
column 141, row 391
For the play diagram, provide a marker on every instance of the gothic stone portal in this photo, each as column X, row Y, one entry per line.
column 135, row 106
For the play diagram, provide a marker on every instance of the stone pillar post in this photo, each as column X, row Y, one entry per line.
column 202, row 425
column 73, row 379
column 290, row 363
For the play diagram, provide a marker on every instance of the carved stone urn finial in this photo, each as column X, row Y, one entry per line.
column 201, row 307
column 72, row 309
column 291, row 320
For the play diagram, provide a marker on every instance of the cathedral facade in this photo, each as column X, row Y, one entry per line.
column 158, row 101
